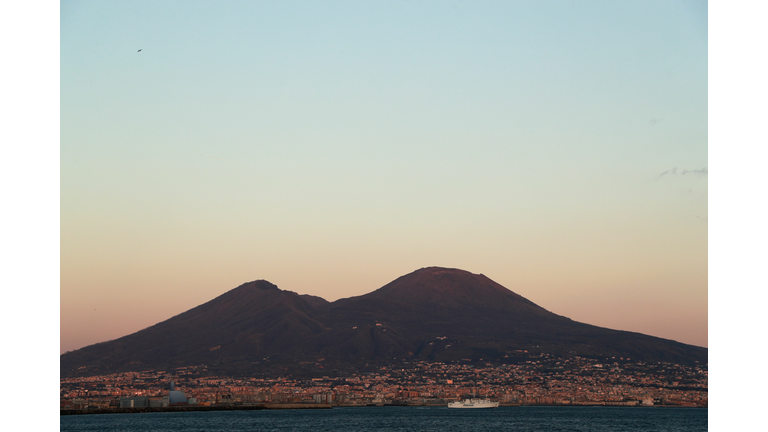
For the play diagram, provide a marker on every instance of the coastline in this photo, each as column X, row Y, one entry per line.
column 277, row 406
column 268, row 406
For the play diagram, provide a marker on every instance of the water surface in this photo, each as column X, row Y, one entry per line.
column 591, row 419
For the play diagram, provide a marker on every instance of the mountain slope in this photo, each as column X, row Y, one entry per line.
column 252, row 320
column 433, row 314
column 479, row 317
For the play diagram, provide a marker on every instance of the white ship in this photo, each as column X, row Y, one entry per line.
column 473, row 403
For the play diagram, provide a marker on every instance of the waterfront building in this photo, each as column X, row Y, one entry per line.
column 176, row 397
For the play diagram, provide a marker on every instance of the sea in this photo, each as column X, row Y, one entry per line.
column 525, row 418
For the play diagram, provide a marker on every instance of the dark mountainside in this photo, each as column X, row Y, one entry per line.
column 314, row 301
column 432, row 314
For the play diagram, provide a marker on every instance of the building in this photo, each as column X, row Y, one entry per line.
column 176, row 397
column 134, row 402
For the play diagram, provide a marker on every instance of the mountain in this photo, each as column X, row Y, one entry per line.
column 314, row 301
column 434, row 314
column 256, row 318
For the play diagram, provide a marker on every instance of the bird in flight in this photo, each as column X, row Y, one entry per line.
column 138, row 51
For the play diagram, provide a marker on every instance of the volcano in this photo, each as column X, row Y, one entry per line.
column 432, row 314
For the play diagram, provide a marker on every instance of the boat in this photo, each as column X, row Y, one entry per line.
column 473, row 403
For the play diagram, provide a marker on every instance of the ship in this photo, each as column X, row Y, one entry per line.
column 473, row 403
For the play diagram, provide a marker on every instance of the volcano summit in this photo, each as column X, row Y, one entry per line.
column 433, row 314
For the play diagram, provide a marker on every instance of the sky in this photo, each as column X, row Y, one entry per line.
column 559, row 148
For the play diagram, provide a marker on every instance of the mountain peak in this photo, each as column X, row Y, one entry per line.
column 446, row 286
column 260, row 284
column 439, row 270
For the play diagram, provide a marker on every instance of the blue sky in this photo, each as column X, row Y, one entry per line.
column 333, row 147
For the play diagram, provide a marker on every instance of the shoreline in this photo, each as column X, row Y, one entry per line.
column 274, row 406
column 268, row 406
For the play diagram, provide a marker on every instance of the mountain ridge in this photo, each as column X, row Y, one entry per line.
column 475, row 316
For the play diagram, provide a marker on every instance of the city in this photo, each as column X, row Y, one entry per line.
column 542, row 380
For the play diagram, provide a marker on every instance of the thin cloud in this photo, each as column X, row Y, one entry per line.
column 694, row 172
column 702, row 171
column 673, row 171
